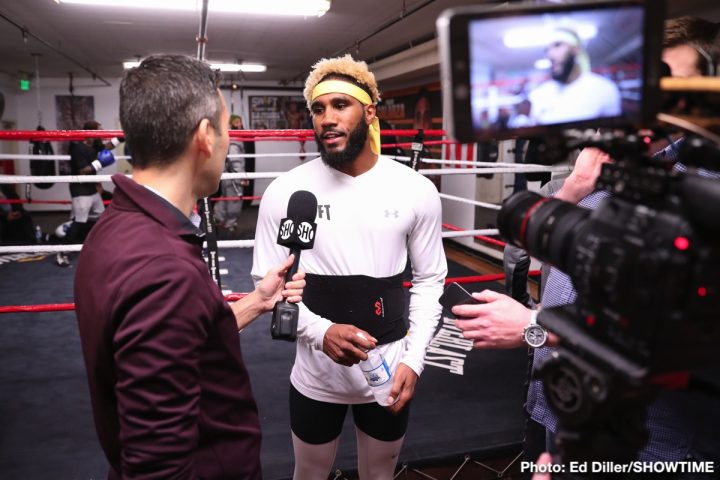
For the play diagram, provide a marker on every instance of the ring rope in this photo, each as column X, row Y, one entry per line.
column 29, row 156
column 491, row 206
column 299, row 134
column 221, row 243
column 529, row 168
column 479, row 171
column 474, row 233
column 426, row 143
column 232, row 297
column 238, row 175
column 107, row 178
column 17, row 201
column 492, row 241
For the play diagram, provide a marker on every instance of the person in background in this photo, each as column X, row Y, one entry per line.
column 227, row 212
column 86, row 158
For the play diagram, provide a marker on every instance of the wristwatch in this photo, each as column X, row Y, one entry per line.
column 534, row 334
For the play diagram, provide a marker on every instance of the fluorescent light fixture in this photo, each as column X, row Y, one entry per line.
column 223, row 67
column 239, row 67
column 540, row 36
column 543, row 64
column 304, row 8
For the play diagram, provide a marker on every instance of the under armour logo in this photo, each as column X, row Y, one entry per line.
column 394, row 213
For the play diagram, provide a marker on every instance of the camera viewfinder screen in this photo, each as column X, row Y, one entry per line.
column 556, row 68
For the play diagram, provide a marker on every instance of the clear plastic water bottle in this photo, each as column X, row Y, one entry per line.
column 378, row 376
column 38, row 234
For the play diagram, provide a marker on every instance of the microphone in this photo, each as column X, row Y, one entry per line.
column 297, row 232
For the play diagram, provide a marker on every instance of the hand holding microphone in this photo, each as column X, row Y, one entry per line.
column 297, row 232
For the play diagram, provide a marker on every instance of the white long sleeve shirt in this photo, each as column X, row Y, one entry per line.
column 366, row 225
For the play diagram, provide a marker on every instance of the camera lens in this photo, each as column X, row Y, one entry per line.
column 512, row 216
column 543, row 226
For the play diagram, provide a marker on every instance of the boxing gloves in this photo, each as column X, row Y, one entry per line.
column 105, row 158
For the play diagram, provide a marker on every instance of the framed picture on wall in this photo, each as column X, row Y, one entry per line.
column 278, row 112
column 412, row 108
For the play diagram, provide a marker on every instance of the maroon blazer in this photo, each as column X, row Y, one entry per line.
column 170, row 393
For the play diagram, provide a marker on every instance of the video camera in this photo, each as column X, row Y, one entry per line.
column 646, row 263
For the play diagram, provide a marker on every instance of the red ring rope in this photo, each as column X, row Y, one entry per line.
column 233, row 297
column 63, row 307
column 68, row 135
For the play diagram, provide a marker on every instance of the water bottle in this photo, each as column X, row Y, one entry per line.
column 38, row 234
column 378, row 376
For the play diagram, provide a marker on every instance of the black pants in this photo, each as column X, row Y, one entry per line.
column 318, row 422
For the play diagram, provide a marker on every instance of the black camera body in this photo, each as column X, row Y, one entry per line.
column 646, row 270
column 646, row 266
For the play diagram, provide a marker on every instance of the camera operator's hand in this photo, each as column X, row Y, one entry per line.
column 498, row 322
column 582, row 179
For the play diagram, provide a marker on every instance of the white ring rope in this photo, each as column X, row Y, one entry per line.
column 491, row 206
column 17, row 156
column 107, row 178
column 471, row 233
column 520, row 167
column 256, row 155
column 483, row 171
column 221, row 243
column 249, row 175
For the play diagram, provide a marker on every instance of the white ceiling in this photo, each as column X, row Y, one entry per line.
column 99, row 39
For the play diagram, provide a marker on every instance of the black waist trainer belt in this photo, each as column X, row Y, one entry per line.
column 376, row 305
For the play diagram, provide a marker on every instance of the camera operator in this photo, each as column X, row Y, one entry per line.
column 677, row 421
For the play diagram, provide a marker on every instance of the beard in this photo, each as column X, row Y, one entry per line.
column 355, row 144
column 567, row 67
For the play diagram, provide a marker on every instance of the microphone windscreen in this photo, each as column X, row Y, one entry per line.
column 302, row 206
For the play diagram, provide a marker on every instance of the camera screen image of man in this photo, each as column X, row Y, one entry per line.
column 373, row 213
column 573, row 92
column 170, row 392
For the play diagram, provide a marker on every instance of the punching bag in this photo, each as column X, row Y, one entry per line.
column 42, row 167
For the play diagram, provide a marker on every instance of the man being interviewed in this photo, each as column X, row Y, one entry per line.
column 372, row 213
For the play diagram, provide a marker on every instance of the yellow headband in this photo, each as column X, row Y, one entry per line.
column 565, row 37
column 338, row 86
column 581, row 58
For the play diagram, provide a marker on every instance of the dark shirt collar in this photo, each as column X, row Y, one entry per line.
column 131, row 195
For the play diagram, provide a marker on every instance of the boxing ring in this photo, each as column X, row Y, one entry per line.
column 468, row 405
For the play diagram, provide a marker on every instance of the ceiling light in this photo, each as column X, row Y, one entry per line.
column 543, row 64
column 540, row 36
column 223, row 67
column 305, row 8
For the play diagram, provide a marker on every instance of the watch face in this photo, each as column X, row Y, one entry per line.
column 535, row 336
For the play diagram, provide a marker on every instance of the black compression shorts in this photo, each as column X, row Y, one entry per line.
column 318, row 422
